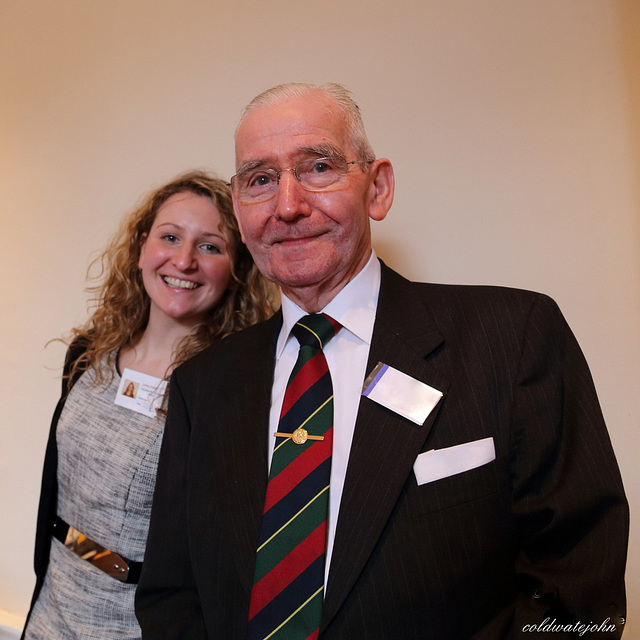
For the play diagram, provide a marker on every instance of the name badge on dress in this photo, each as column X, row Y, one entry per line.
column 140, row 392
column 401, row 393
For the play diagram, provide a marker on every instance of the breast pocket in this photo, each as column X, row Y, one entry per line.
column 458, row 489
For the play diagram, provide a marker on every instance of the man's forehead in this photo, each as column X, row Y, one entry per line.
column 288, row 127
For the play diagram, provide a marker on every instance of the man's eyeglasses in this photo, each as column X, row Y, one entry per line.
column 315, row 174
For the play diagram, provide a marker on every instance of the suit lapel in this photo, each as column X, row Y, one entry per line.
column 385, row 445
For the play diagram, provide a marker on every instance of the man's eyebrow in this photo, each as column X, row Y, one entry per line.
column 317, row 151
column 250, row 165
column 322, row 151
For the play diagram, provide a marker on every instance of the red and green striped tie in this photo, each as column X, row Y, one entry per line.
column 288, row 589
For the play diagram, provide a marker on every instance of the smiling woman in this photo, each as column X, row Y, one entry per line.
column 174, row 279
column 185, row 258
column 185, row 261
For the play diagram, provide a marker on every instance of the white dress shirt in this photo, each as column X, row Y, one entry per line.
column 347, row 353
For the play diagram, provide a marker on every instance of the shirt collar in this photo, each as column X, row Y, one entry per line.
column 354, row 307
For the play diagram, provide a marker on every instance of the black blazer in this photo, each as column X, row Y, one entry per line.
column 539, row 532
column 48, row 504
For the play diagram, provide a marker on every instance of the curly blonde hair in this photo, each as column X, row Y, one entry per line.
column 121, row 304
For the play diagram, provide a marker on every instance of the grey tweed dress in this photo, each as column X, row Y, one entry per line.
column 107, row 461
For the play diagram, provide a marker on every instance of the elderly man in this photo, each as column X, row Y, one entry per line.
column 382, row 459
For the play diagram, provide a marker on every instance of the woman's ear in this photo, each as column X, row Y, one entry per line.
column 383, row 187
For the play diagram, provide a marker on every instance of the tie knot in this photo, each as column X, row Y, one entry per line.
column 315, row 330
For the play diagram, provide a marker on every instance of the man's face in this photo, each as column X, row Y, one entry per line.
column 301, row 240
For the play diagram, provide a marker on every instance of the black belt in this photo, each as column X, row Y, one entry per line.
column 111, row 563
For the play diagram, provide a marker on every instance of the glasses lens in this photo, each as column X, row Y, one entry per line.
column 256, row 185
column 317, row 174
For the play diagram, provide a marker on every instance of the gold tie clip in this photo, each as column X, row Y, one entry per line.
column 299, row 436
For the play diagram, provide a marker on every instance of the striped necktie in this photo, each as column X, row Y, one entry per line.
column 288, row 589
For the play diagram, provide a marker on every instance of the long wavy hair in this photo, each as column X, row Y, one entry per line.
column 121, row 304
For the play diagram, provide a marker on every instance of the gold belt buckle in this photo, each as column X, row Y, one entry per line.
column 112, row 564
column 108, row 561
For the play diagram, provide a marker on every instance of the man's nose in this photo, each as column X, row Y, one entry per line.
column 291, row 198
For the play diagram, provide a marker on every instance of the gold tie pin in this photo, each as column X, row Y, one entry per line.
column 299, row 436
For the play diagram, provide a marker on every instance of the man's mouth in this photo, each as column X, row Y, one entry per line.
column 296, row 239
column 176, row 283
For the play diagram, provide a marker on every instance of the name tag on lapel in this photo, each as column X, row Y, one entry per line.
column 401, row 393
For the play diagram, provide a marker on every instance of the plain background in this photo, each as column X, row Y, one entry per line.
column 513, row 127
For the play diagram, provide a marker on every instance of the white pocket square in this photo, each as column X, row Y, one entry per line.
column 441, row 463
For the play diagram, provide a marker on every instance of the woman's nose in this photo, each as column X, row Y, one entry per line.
column 185, row 258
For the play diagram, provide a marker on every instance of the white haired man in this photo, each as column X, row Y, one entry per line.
column 465, row 497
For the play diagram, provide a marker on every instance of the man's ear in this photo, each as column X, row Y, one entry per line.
column 382, row 187
column 143, row 241
column 235, row 211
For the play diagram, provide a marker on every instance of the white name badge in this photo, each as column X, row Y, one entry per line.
column 140, row 392
column 401, row 393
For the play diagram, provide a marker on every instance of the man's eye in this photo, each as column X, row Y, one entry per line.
column 322, row 166
column 259, row 180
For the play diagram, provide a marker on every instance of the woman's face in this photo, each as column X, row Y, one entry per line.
column 185, row 260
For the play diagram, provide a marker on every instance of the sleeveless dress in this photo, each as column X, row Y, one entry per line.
column 107, row 462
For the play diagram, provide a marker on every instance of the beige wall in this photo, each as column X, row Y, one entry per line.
column 514, row 128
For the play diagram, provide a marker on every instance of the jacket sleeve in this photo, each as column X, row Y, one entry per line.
column 167, row 601
column 49, row 485
column 567, row 493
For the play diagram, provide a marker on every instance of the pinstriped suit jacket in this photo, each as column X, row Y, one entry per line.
column 540, row 532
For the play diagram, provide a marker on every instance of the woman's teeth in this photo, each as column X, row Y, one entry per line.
column 180, row 284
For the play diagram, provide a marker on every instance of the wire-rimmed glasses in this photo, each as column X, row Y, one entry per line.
column 258, row 184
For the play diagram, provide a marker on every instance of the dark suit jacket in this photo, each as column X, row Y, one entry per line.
column 539, row 532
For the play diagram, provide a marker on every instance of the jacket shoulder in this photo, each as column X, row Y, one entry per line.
column 468, row 299
column 257, row 340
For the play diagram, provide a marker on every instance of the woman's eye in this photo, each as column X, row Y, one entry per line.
column 169, row 237
column 210, row 248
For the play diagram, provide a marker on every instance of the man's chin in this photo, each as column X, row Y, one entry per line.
column 296, row 279
column 296, row 269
